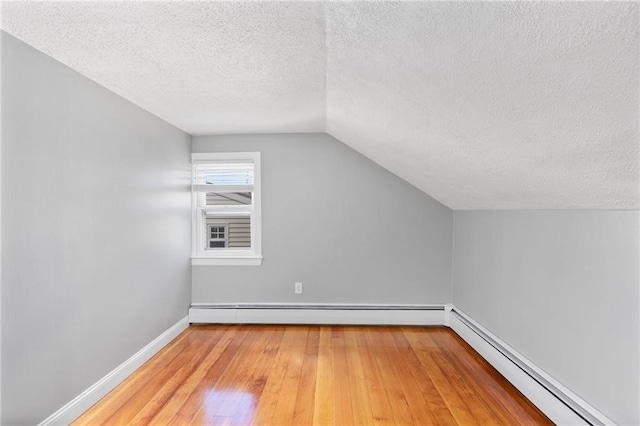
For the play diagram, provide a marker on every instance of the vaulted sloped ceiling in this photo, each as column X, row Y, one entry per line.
column 500, row 105
column 205, row 67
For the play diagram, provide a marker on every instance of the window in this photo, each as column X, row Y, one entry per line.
column 217, row 236
column 226, row 209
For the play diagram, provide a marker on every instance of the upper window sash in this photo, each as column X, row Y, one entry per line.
column 223, row 177
column 227, row 172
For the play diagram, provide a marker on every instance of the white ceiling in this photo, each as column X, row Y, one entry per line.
column 494, row 105
column 224, row 67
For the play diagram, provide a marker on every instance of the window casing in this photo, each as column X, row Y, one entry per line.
column 226, row 209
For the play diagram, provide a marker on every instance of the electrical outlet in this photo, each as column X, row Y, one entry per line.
column 298, row 288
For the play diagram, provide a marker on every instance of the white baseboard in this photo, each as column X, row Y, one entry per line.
column 98, row 390
column 344, row 314
column 561, row 405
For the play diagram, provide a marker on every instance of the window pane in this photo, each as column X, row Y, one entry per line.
column 228, row 198
column 229, row 177
column 223, row 174
column 238, row 231
column 216, row 244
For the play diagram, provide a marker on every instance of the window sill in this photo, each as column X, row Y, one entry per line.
column 226, row 261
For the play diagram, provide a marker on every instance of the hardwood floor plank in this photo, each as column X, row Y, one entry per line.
column 360, row 404
column 465, row 406
column 303, row 410
column 392, row 383
column 342, row 397
column 277, row 402
column 190, row 385
column 432, row 397
column 323, row 408
column 489, row 383
column 176, row 388
column 181, row 366
column 191, row 406
column 242, row 372
column 320, row 375
column 418, row 404
column 285, row 407
column 378, row 400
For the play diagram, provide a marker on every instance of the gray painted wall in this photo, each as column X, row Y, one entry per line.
column 95, row 231
column 351, row 231
column 0, row 229
column 562, row 288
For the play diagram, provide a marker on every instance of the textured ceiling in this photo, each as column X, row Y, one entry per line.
column 492, row 105
column 496, row 105
column 225, row 67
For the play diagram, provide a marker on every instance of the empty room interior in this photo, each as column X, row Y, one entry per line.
column 255, row 212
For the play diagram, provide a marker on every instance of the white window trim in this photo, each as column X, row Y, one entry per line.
column 248, row 257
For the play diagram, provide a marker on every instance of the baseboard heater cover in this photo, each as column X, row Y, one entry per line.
column 554, row 399
column 559, row 403
column 330, row 306
column 289, row 313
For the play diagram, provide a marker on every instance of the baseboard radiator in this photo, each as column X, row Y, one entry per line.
column 293, row 313
column 560, row 404
column 554, row 399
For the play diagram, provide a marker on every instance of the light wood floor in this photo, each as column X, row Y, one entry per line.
column 326, row 375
